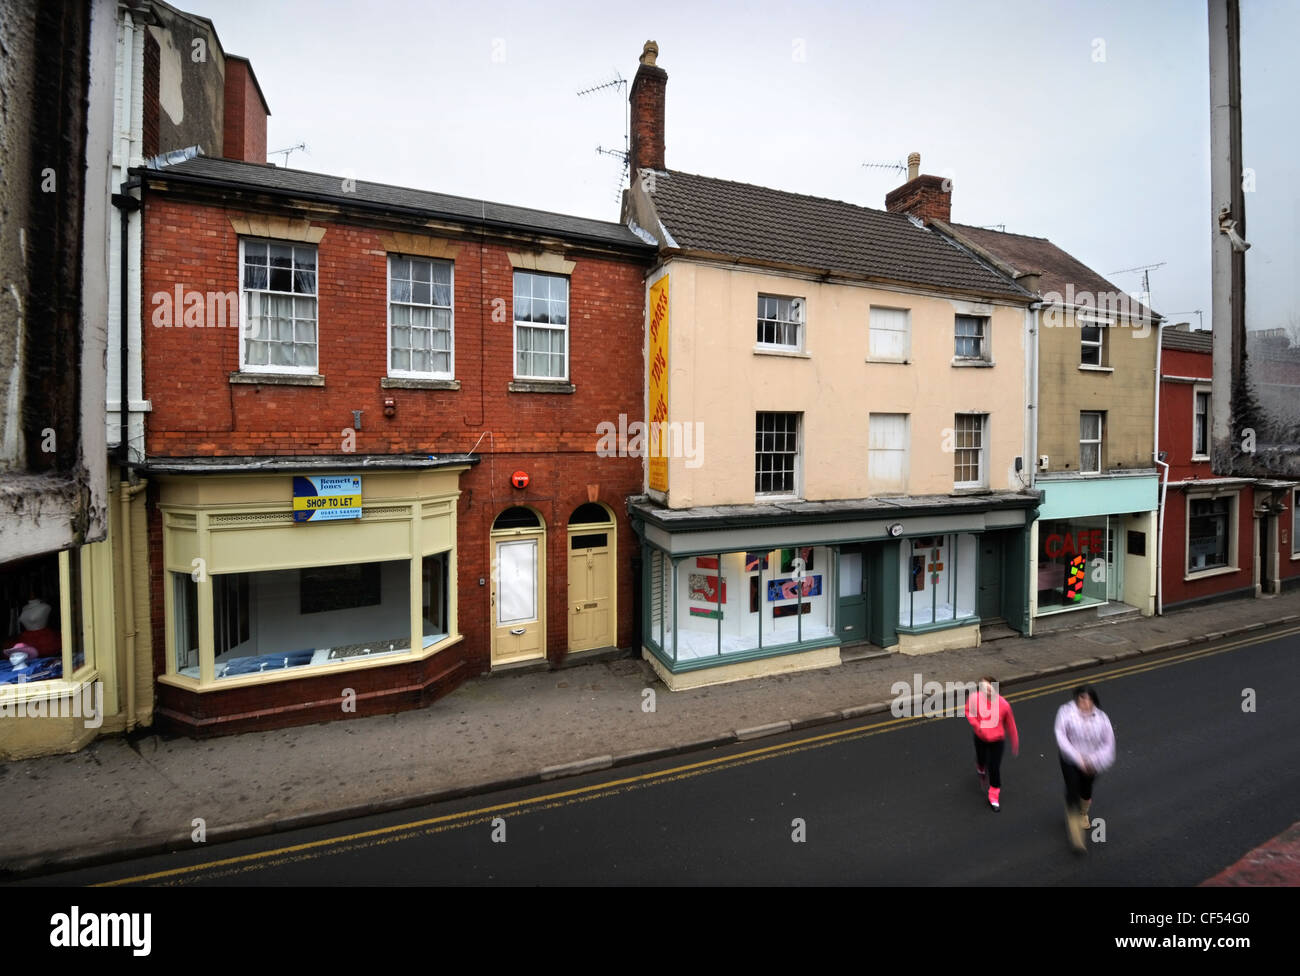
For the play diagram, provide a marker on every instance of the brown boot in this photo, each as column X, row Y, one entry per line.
column 1085, row 817
column 1074, row 827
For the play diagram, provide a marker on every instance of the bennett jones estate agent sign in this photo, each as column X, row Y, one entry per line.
column 326, row 499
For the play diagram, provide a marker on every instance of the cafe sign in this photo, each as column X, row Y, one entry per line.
column 326, row 499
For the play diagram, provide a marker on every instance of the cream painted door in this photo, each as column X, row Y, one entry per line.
column 591, row 587
column 517, row 595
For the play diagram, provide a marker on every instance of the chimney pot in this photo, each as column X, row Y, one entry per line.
column 650, row 52
column 913, row 165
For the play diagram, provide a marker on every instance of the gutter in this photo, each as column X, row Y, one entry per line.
column 1164, row 485
column 637, row 247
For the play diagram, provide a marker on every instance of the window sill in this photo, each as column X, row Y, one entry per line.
column 974, row 490
column 779, row 351
column 415, row 383
column 25, row 691
column 1089, row 368
column 773, row 499
column 278, row 379
column 1200, row 457
column 896, row 362
column 541, row 386
column 1207, row 573
column 976, row 363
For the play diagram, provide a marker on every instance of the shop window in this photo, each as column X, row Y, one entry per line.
column 230, row 611
column 185, row 623
column 326, row 588
column 1295, row 522
column 1073, row 562
column 740, row 602
column 1210, row 525
column 776, row 454
column 434, row 581
column 1091, row 425
column 938, row 580
column 42, row 637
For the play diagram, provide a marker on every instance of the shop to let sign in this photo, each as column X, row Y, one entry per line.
column 326, row 499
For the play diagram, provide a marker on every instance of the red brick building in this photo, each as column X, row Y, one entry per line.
column 373, row 450
column 1223, row 536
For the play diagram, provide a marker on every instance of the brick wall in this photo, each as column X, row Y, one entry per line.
column 198, row 412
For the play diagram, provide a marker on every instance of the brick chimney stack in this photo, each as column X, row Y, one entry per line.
column 925, row 197
column 647, row 98
column 245, row 113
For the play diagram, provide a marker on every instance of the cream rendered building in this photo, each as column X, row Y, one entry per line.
column 839, row 395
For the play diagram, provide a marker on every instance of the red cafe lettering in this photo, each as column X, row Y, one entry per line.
column 1072, row 544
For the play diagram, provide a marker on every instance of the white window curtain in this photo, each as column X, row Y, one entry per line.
column 888, row 328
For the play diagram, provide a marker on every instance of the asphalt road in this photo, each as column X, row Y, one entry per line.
column 1198, row 782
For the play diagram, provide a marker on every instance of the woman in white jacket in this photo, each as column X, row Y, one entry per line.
column 1087, row 745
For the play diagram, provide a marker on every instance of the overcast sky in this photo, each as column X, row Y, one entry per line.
column 1087, row 123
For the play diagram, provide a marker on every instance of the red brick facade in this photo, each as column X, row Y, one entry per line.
column 199, row 412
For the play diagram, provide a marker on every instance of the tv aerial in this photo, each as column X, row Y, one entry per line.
column 619, row 84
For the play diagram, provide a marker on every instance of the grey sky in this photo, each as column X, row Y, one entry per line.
column 1108, row 158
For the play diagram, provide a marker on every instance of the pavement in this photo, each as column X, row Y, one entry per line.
column 131, row 796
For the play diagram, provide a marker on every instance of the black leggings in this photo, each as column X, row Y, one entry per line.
column 988, row 756
column 1078, row 784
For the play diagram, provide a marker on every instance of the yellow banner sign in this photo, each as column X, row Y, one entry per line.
column 658, row 369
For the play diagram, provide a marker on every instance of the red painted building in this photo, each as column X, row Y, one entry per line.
column 373, row 454
column 1223, row 536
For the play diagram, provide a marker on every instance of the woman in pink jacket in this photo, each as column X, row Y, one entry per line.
column 990, row 716
column 1087, row 744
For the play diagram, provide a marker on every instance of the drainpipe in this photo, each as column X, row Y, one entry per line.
column 126, row 492
column 1164, row 485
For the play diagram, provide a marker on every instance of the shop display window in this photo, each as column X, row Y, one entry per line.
column 1073, row 562
column 937, row 579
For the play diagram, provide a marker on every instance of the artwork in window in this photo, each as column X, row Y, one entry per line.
column 788, row 557
column 707, row 588
column 790, row 589
column 791, row 609
column 755, row 562
column 706, row 562
column 755, row 594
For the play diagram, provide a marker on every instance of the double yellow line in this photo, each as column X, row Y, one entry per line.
column 383, row 835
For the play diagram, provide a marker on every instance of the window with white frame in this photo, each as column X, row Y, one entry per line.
column 970, row 465
column 776, row 454
column 890, row 334
column 278, row 297
column 972, row 337
column 1201, row 423
column 780, row 322
column 541, row 326
column 887, row 449
column 1091, row 425
column 420, row 318
column 1211, row 530
column 1092, row 342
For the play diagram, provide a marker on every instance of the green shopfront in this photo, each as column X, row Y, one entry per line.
column 1094, row 546
column 733, row 592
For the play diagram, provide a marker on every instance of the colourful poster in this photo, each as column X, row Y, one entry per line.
column 657, row 405
column 755, row 561
column 706, row 588
column 788, row 589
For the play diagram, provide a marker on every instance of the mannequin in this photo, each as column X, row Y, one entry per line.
column 34, row 620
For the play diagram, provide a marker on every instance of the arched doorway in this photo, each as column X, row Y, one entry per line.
column 518, row 598
column 593, row 578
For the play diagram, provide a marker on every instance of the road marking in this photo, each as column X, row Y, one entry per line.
column 262, row 859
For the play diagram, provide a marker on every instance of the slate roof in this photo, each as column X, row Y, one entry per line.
column 392, row 199
column 1037, row 254
column 1187, row 341
column 742, row 220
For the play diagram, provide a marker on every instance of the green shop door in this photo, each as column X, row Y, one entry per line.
column 852, row 626
column 989, row 598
